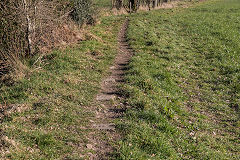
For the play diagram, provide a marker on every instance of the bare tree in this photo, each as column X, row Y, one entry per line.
column 133, row 5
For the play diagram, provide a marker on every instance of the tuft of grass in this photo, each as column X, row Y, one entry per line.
column 183, row 84
column 103, row 4
column 57, row 98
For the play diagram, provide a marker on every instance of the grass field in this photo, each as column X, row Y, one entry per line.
column 183, row 84
column 53, row 101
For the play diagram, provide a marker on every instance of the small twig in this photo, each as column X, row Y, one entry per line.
column 4, row 101
column 40, row 57
column 66, row 14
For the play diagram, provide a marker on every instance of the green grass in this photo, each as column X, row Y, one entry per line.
column 183, row 84
column 55, row 100
column 103, row 3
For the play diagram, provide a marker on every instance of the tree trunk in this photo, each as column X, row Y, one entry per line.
column 155, row 3
column 28, row 28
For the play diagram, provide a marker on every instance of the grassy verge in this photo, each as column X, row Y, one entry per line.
column 183, row 84
column 49, row 109
column 103, row 3
column 103, row 7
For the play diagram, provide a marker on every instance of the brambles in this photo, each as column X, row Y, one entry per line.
column 13, row 44
column 30, row 27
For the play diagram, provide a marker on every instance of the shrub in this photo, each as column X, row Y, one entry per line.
column 28, row 27
column 13, row 43
column 83, row 12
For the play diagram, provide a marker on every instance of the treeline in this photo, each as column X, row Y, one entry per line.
column 134, row 5
column 28, row 27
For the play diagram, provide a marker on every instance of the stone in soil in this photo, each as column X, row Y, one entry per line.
column 104, row 126
column 109, row 80
column 105, row 97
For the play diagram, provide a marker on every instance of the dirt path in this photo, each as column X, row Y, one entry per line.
column 109, row 101
column 109, row 90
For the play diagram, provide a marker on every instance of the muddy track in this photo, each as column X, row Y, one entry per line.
column 109, row 98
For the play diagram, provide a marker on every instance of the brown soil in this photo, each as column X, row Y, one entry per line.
column 109, row 100
column 109, row 90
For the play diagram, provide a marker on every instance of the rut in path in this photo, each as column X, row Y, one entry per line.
column 109, row 97
column 109, row 90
